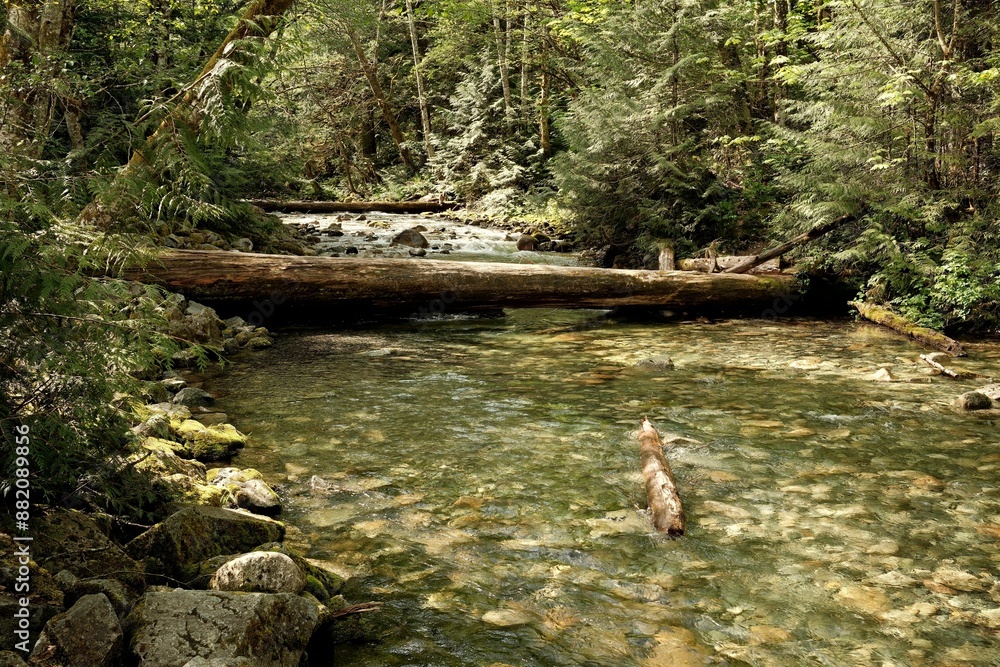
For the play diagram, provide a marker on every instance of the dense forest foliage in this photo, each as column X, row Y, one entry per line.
column 729, row 123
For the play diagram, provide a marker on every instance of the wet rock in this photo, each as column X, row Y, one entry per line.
column 417, row 252
column 411, row 238
column 883, row 375
column 974, row 400
column 863, row 599
column 260, row 572
column 192, row 397
column 212, row 418
column 351, row 251
column 170, row 628
column 259, row 342
column 662, row 363
column 893, row 579
column 959, row 580
column 989, row 618
column 506, row 618
column 884, row 548
column 87, row 635
column 677, row 647
column 527, row 242
column 195, row 534
column 761, row 635
column 248, row 489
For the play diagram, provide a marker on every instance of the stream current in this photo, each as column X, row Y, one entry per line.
column 481, row 478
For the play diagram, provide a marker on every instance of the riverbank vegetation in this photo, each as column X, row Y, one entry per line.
column 705, row 123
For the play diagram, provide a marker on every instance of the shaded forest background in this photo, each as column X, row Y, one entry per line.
column 706, row 122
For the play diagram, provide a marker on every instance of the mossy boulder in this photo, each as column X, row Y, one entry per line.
column 194, row 534
column 164, row 457
column 170, row 628
column 247, row 489
column 211, row 443
column 71, row 540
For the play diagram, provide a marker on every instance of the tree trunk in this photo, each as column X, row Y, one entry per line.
column 665, row 507
column 543, row 101
column 526, row 20
column 380, row 98
column 503, row 52
column 356, row 206
column 889, row 319
column 411, row 284
column 425, row 115
column 36, row 31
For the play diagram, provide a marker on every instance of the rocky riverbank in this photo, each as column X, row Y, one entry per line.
column 212, row 583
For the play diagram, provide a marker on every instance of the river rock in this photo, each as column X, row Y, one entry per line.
column 883, row 375
column 418, row 252
column 70, row 540
column 87, row 635
column 172, row 628
column 211, row 443
column 193, row 397
column 959, row 580
column 527, row 242
column 989, row 618
column 195, row 534
column 157, row 425
column 117, row 594
column 974, row 400
column 662, row 363
column 864, row 599
column 260, row 572
column 411, row 238
column 242, row 245
column 248, row 489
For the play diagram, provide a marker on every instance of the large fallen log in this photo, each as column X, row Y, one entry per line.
column 887, row 318
column 276, row 205
column 779, row 250
column 439, row 286
column 665, row 506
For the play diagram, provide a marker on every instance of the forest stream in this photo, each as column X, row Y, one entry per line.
column 481, row 477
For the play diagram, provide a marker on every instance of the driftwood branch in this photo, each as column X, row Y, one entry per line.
column 891, row 320
column 779, row 250
column 661, row 490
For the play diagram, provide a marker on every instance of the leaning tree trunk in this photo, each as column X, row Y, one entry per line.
column 332, row 283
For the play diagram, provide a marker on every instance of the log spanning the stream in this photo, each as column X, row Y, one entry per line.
column 276, row 205
column 665, row 506
column 398, row 284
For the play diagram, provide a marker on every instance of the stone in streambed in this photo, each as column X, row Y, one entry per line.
column 527, row 242
column 247, row 488
column 959, row 580
column 87, row 635
column 411, row 238
column 864, row 599
column 883, row 375
column 260, row 572
column 171, row 628
column 974, row 400
column 192, row 397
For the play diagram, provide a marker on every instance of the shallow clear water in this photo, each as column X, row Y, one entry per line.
column 481, row 478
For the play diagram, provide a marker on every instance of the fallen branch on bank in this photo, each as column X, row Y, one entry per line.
column 891, row 320
column 353, row 609
column 665, row 506
column 947, row 372
column 779, row 250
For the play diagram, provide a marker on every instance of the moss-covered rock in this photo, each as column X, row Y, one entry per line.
column 211, row 443
column 164, row 457
column 71, row 540
column 195, row 534
column 88, row 634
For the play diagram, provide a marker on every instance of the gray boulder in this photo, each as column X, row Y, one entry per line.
column 260, row 572
column 411, row 238
column 87, row 635
column 71, row 540
column 173, row 628
column 974, row 400
column 527, row 242
column 192, row 397
column 195, row 534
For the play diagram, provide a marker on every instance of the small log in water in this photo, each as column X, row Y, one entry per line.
column 889, row 319
column 661, row 490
